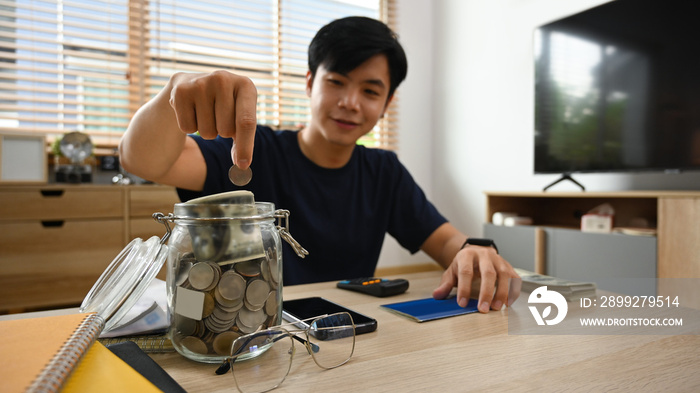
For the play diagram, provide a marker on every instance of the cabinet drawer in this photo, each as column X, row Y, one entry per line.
column 515, row 244
column 60, row 203
column 145, row 228
column 611, row 260
column 145, row 202
column 55, row 265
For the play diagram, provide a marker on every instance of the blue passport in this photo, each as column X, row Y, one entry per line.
column 429, row 309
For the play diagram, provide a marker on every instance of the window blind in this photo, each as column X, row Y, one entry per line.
column 63, row 66
column 88, row 65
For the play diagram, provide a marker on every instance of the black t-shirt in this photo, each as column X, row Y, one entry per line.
column 339, row 215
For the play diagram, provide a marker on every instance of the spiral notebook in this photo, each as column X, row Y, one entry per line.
column 61, row 352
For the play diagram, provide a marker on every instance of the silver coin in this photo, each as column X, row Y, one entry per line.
column 212, row 325
column 248, row 268
column 257, row 292
column 265, row 269
column 227, row 305
column 242, row 326
column 231, row 287
column 223, row 341
column 224, row 316
column 185, row 264
column 252, row 307
column 199, row 329
column 217, row 276
column 208, row 306
column 238, row 176
column 194, row 344
column 250, row 319
column 271, row 304
column 217, row 326
column 201, row 276
column 274, row 266
column 207, row 336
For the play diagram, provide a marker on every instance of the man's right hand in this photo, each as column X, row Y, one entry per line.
column 218, row 103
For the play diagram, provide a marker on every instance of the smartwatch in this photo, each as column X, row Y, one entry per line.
column 475, row 241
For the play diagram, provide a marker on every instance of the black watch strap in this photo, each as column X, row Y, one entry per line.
column 475, row 241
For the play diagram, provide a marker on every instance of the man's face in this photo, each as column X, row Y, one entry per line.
column 344, row 107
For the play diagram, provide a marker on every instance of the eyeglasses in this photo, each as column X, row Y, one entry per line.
column 261, row 361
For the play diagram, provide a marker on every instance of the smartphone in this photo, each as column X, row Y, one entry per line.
column 299, row 309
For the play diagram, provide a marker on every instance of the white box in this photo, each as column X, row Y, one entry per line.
column 23, row 158
column 597, row 223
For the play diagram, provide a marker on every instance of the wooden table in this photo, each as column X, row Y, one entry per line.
column 474, row 352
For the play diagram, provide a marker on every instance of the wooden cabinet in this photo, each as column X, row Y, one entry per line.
column 554, row 244
column 56, row 240
column 59, row 203
column 143, row 202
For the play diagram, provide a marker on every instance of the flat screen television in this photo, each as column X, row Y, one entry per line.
column 617, row 88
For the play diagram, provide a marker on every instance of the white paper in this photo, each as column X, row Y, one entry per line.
column 149, row 314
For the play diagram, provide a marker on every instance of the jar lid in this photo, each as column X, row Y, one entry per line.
column 125, row 280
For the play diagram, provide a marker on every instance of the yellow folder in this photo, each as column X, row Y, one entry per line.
column 29, row 348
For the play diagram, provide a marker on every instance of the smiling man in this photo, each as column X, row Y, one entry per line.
column 343, row 197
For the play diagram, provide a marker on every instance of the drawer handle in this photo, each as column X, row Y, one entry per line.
column 52, row 224
column 52, row 193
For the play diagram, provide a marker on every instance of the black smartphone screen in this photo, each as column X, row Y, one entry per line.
column 299, row 309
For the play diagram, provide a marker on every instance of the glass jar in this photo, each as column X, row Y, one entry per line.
column 224, row 274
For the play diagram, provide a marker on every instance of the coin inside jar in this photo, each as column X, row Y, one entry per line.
column 248, row 268
column 204, row 276
column 231, row 286
column 257, row 292
column 201, row 275
column 194, row 344
column 223, row 341
column 238, row 176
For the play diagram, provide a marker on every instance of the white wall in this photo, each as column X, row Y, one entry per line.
column 470, row 88
column 415, row 97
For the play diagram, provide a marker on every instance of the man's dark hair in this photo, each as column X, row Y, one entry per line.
column 344, row 44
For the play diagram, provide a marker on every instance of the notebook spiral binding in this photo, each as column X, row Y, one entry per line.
column 56, row 373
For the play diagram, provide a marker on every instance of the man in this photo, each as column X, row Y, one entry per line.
column 343, row 197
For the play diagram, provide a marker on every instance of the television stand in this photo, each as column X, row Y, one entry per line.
column 558, row 214
column 565, row 176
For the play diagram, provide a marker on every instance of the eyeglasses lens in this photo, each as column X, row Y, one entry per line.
column 334, row 337
column 264, row 360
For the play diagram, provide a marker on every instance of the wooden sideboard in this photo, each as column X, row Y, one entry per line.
column 675, row 214
column 56, row 240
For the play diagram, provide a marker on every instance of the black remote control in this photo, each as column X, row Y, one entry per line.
column 374, row 286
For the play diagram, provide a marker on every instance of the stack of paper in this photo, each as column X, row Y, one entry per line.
column 571, row 290
column 148, row 316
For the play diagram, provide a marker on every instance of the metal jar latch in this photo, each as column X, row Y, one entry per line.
column 282, row 226
column 282, row 216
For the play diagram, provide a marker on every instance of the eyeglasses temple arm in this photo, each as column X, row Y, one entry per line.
column 224, row 367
